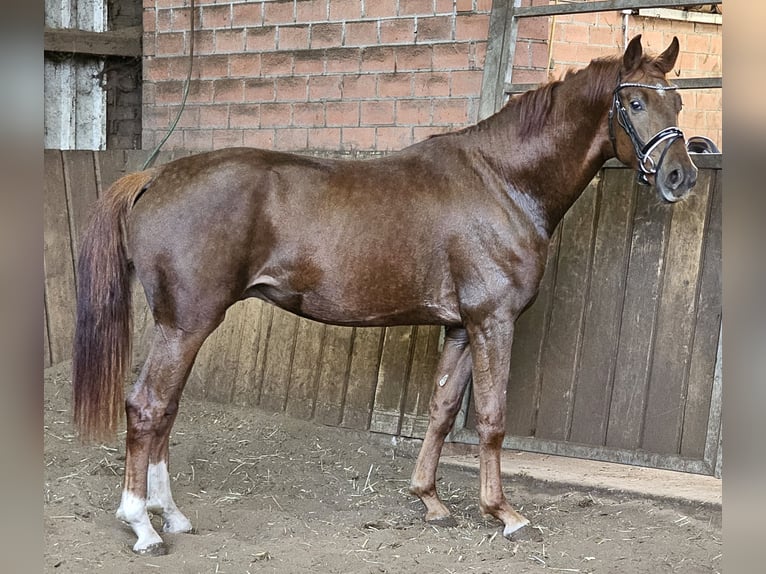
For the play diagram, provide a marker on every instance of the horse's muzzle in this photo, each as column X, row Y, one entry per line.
column 675, row 178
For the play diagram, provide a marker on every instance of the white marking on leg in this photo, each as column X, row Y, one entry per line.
column 511, row 528
column 443, row 380
column 160, row 499
column 132, row 510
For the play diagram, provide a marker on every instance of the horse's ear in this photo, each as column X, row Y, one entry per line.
column 667, row 59
column 633, row 53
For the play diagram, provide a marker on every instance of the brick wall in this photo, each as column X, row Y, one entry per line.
column 346, row 75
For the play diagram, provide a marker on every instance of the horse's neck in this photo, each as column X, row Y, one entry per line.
column 555, row 165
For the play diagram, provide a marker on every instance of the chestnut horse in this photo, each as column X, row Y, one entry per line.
column 451, row 231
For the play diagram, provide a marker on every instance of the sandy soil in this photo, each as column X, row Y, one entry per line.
column 268, row 493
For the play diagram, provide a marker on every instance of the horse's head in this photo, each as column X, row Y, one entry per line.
column 643, row 120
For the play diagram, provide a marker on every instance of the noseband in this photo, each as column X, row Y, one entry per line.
column 646, row 164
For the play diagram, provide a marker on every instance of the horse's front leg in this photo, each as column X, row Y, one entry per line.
column 491, row 350
column 452, row 376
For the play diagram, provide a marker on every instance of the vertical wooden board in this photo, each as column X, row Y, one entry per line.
column 562, row 344
column 333, row 373
column 222, row 373
column 495, row 59
column 663, row 419
column 602, row 312
column 706, row 334
column 81, row 188
column 425, row 356
column 58, row 262
column 526, row 353
column 392, row 380
column 204, row 366
column 110, row 166
column 362, row 377
column 246, row 386
column 637, row 323
column 278, row 360
column 303, row 380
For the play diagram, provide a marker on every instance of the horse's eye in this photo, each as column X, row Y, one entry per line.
column 636, row 105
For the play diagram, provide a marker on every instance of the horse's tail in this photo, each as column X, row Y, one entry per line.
column 102, row 340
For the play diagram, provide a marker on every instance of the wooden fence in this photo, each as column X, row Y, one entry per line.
column 618, row 359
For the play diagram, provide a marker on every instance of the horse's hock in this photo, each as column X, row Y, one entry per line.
column 618, row 359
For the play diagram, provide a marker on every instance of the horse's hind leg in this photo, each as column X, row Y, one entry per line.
column 452, row 376
column 151, row 409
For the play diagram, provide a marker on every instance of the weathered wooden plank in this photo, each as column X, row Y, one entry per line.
column 562, row 344
column 246, row 380
column 222, row 369
column 81, row 192
column 496, row 58
column 110, row 166
column 392, row 380
column 362, row 377
column 526, row 353
column 602, row 314
column 663, row 419
column 706, row 332
column 58, row 260
column 122, row 42
column 305, row 373
column 333, row 374
column 425, row 356
column 644, row 277
column 279, row 360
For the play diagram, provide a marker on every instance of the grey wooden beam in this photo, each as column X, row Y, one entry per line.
column 124, row 42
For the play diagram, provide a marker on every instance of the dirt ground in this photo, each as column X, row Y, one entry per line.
column 268, row 493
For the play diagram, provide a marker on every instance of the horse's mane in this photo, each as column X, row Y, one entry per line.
column 534, row 106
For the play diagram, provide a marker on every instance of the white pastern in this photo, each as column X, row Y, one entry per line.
column 132, row 510
column 161, row 499
column 511, row 528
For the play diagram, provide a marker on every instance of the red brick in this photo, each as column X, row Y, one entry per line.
column 308, row 114
column 342, row 10
column 413, row 112
column 376, row 113
column 358, row 138
column 198, row 140
column 361, row 33
column 452, row 112
column 244, row 65
column 228, row 41
column 413, row 58
column 228, row 90
column 326, row 35
column 464, row 5
column 359, row 86
column 444, row 7
column 156, row 117
column 200, row 91
column 432, row 84
column 611, row 37
column 227, row 138
column 451, row 56
column 260, row 90
column 420, row 133
column 157, row 69
column 342, row 113
column 291, row 139
column 277, row 64
column 278, row 13
column 539, row 55
column 535, row 28
column 275, row 115
column 170, row 44
column 392, row 138
column 324, row 138
column 180, row 19
column 324, row 88
column 436, row 28
column 169, row 3
column 309, row 62
column 471, row 27
column 465, row 83
column 189, row 117
column 311, row 10
column 575, row 33
column 207, row 67
column 215, row 17
column 168, row 92
column 261, row 39
column 345, row 60
column 150, row 21
column 248, row 14
column 292, row 88
column 244, row 115
column 213, row 116
column 204, row 42
column 380, row 8
column 408, row 7
column 163, row 22
column 293, row 37
column 259, row 138
column 395, row 85
column 397, row 31
column 377, row 59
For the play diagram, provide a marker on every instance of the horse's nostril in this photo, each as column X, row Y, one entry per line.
column 675, row 177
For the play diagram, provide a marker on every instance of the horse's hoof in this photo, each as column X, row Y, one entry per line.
column 156, row 549
column 443, row 522
column 526, row 533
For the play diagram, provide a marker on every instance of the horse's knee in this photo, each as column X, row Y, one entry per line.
column 491, row 431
